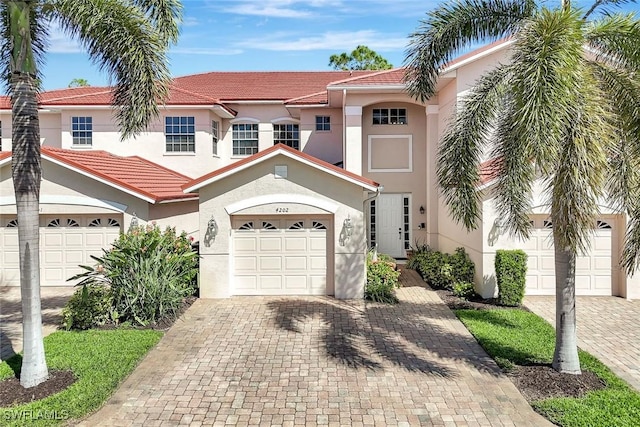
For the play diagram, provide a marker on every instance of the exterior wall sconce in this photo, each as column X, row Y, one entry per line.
column 211, row 233
column 134, row 222
column 421, row 210
column 346, row 232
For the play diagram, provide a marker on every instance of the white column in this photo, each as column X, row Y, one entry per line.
column 432, row 181
column 353, row 139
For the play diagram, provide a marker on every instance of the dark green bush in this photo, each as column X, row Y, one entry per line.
column 382, row 281
column 441, row 270
column 464, row 290
column 90, row 306
column 511, row 272
column 149, row 273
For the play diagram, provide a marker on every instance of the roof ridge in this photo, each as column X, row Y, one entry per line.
column 372, row 74
column 199, row 95
column 107, row 89
column 305, row 96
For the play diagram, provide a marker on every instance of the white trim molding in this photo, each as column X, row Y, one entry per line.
column 409, row 138
column 282, row 198
column 353, row 110
column 280, row 120
column 244, row 120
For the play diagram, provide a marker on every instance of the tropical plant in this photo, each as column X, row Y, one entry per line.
column 148, row 273
column 127, row 38
column 361, row 58
column 564, row 110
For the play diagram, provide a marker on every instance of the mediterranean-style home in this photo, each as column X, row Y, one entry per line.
column 284, row 178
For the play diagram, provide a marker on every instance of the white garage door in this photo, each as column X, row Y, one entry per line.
column 66, row 241
column 275, row 256
column 593, row 270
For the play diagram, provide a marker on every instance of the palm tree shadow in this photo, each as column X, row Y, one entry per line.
column 349, row 336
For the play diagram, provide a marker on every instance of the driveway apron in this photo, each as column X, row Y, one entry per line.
column 318, row 361
column 607, row 328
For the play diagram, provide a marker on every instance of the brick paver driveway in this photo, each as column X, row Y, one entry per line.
column 318, row 361
column 608, row 328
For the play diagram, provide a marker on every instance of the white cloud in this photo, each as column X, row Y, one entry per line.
column 328, row 41
column 59, row 42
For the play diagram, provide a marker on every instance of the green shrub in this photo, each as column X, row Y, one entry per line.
column 382, row 280
column 90, row 306
column 464, row 269
column 511, row 272
column 464, row 290
column 442, row 270
column 149, row 273
column 417, row 250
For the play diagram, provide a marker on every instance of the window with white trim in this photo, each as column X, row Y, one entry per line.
column 287, row 134
column 180, row 134
column 82, row 130
column 323, row 123
column 215, row 134
column 389, row 116
column 245, row 139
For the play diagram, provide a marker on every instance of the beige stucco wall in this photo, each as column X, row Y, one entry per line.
column 302, row 180
column 325, row 145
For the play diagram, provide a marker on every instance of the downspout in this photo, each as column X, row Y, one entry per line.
column 344, row 129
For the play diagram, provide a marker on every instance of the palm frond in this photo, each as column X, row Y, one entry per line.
column 630, row 259
column 623, row 95
column 121, row 40
column 579, row 182
column 463, row 143
column 615, row 39
column 516, row 173
column 166, row 15
column 452, row 27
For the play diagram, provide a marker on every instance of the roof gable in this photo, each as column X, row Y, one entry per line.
column 276, row 150
column 132, row 175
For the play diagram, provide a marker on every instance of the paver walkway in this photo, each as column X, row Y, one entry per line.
column 608, row 328
column 52, row 300
column 318, row 361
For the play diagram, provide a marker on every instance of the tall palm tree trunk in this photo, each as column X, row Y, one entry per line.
column 26, row 172
column 565, row 358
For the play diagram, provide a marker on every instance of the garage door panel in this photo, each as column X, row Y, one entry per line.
column 246, row 263
column 95, row 240
column 296, row 282
column 74, row 257
column 270, row 282
column 10, row 239
column 52, row 240
column 290, row 259
column 245, row 244
column 270, row 263
column 295, row 263
column 54, row 275
column 53, row 257
column 593, row 269
column 74, row 240
column 298, row 244
column 270, row 244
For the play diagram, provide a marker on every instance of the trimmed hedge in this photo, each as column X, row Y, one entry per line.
column 382, row 279
column 441, row 270
column 511, row 276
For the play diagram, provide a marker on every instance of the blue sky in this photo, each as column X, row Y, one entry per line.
column 252, row 35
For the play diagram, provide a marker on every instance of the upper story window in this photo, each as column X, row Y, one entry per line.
column 215, row 135
column 389, row 116
column 245, row 139
column 287, row 134
column 323, row 123
column 82, row 130
column 180, row 134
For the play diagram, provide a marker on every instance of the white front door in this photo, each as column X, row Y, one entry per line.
column 389, row 224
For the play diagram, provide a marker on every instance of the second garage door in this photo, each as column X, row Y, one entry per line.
column 593, row 270
column 278, row 256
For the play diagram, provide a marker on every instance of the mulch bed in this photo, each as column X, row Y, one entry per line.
column 12, row 393
column 535, row 382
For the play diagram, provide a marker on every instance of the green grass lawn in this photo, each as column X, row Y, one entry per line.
column 99, row 359
column 520, row 337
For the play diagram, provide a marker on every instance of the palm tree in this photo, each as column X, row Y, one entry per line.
column 127, row 38
column 563, row 110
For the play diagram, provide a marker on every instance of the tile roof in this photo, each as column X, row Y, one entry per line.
column 133, row 174
column 321, row 164
column 385, row 77
column 489, row 170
